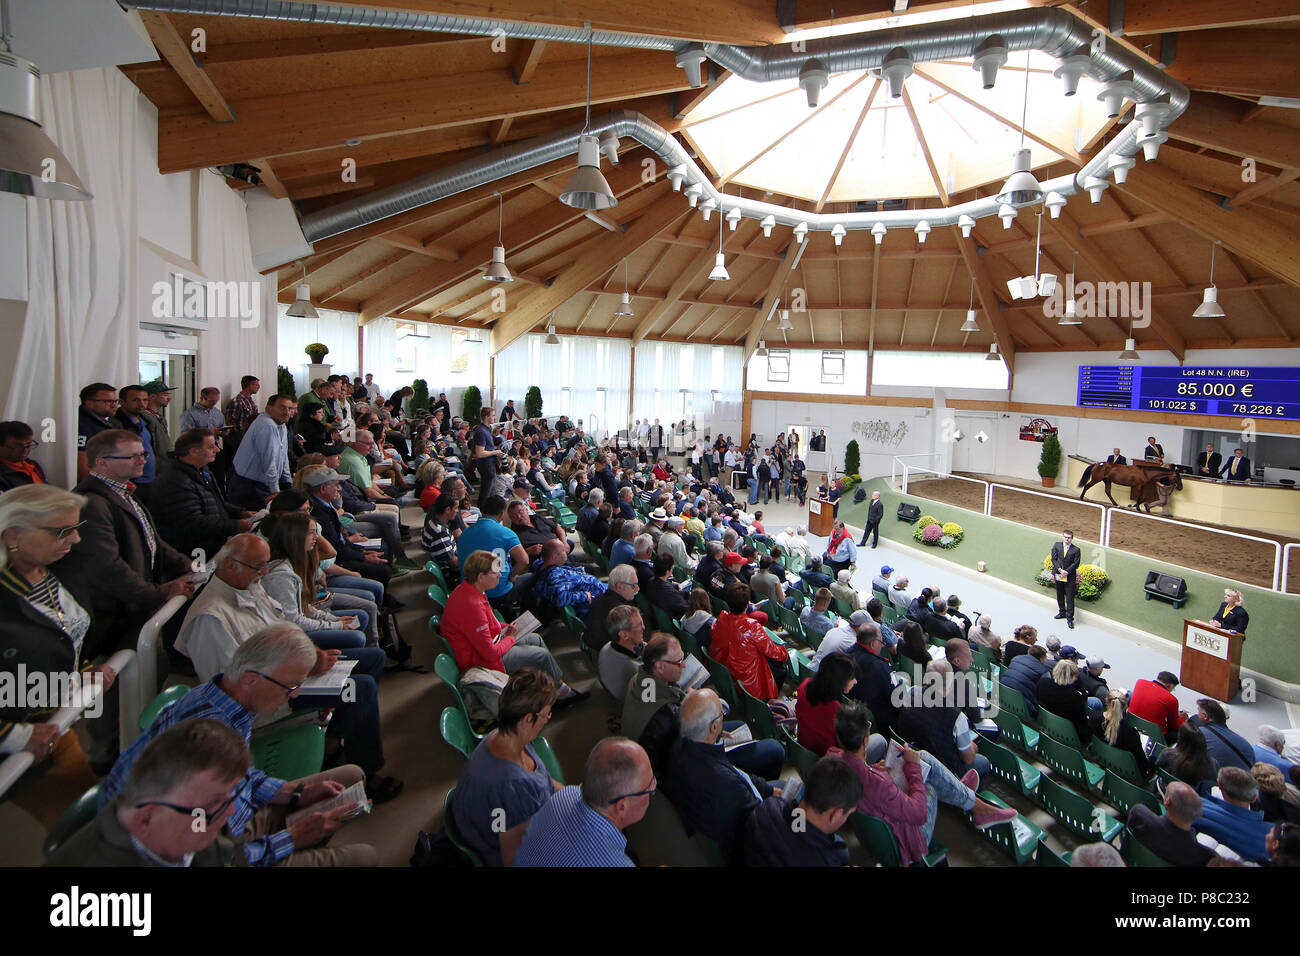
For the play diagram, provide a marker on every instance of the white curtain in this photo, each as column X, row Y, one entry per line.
column 584, row 377
column 379, row 343
column 709, row 375
column 338, row 330
column 512, row 371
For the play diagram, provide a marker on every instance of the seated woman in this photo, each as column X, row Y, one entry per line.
column 699, row 616
column 741, row 644
column 911, row 644
column 1022, row 639
column 1110, row 726
column 428, row 482
column 314, row 432
column 343, row 584
column 1189, row 759
column 480, row 640
column 662, row 591
column 819, row 701
column 505, row 782
column 292, row 537
column 910, row 813
column 1060, row 693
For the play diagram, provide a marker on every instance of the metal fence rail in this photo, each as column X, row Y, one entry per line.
column 1286, row 564
column 1277, row 548
column 1103, row 530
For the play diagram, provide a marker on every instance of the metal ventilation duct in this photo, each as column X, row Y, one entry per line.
column 1051, row 30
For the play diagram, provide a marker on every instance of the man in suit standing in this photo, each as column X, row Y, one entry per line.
column 1154, row 449
column 1065, row 562
column 1208, row 462
column 1237, row 467
column 1115, row 458
column 875, row 512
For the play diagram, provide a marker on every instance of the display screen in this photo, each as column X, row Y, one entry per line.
column 1222, row 390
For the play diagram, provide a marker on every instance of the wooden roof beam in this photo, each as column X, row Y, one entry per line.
column 176, row 51
column 1173, row 16
column 779, row 276
column 1216, row 122
column 978, row 267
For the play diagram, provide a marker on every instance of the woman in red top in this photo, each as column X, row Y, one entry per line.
column 819, row 701
column 741, row 645
column 478, row 639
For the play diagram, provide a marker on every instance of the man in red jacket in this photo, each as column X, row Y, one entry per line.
column 1154, row 701
column 741, row 645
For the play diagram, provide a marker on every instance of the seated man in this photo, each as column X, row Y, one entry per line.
column 740, row 643
column 1170, row 836
column 1024, row 673
column 813, row 577
column 779, row 833
column 843, row 590
column 931, row 719
column 583, row 826
column 199, row 764
column 254, row 684
column 588, row 513
column 561, row 584
column 875, row 686
column 437, row 539
column 621, row 657
column 671, row 543
column 712, row 795
column 643, row 559
column 840, row 638
column 1227, row 747
column 663, row 592
column 1155, row 701
column 1228, row 818
column 188, row 505
column 1272, row 749
column 623, row 551
column 323, row 486
column 535, row 529
column 899, row 595
column 489, row 534
column 881, row 582
column 815, row 617
column 876, row 610
column 767, row 582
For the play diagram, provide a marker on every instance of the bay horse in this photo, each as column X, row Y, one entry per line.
column 1141, row 481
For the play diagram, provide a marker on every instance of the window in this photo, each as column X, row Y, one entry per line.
column 687, row 403
column 459, row 353
column 686, row 367
column 408, row 342
column 833, row 367
column 778, row 365
column 718, row 358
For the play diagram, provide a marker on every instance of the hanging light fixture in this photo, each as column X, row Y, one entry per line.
column 496, row 270
column 1021, row 188
column 551, row 337
column 762, row 349
column 302, row 307
column 27, row 156
column 967, row 224
column 1209, row 307
column 719, row 273
column 783, row 323
column 1071, row 314
column 993, row 355
column 625, row 307
column 1007, row 213
column 1130, row 352
column 1045, row 281
column 970, row 325
column 587, row 188
column 768, row 224
column 922, row 230
column 879, row 230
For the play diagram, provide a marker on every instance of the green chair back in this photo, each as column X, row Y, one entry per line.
column 688, row 641
column 1059, row 728
column 1011, row 700
column 1077, row 813
column 663, row 621
column 438, row 595
column 1124, row 796
column 723, row 682
column 289, row 754
column 444, row 665
column 1018, row 838
column 82, row 811
column 457, row 731
column 1135, row 854
column 1046, row 856
column 1070, row 763
column 758, row 715
column 1115, row 760
column 842, row 607
column 161, row 703
column 802, row 758
column 877, row 838
column 1154, row 731
column 1024, row 739
column 433, row 568
column 543, row 748
column 454, row 834
column 1020, row 774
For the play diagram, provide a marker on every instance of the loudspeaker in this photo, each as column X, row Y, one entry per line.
column 1165, row 586
column 860, row 495
column 909, row 513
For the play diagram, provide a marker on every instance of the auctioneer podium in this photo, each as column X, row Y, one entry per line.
column 1211, row 661
column 821, row 517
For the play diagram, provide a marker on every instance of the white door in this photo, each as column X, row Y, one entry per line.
column 970, row 454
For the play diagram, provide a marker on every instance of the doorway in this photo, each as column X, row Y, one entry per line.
column 175, row 368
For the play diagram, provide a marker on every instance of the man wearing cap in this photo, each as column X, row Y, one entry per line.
column 981, row 633
column 520, row 490
column 655, row 526
column 157, row 397
column 875, row 513
column 882, row 582
column 841, row 637
column 323, row 486
column 732, row 562
column 1092, row 680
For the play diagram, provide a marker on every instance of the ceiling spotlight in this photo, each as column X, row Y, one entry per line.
column 801, row 232
column 1071, row 314
column 1115, row 92
column 896, row 68
column 957, row 435
column 838, row 232
column 1095, row 186
column 1130, row 352
column 496, row 270
column 551, row 337
column 967, row 224
column 768, row 223
column 813, row 79
column 693, row 193
column 1151, row 145
column 762, row 348
column 970, row 324
column 691, row 59
column 302, row 307
column 587, row 188
column 706, row 207
column 1209, row 307
column 989, row 56
column 1073, row 67
column 1046, row 284
column 1021, row 188
column 733, row 218
column 1007, row 213
column 1017, row 287
column 609, row 146
column 1054, row 202
column 1120, row 165
column 993, row 355
column 676, row 176
column 879, row 230
column 719, row 273
column 922, row 230
column 625, row 307
column 783, row 324
column 1153, row 114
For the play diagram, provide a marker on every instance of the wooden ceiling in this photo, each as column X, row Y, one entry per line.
column 284, row 97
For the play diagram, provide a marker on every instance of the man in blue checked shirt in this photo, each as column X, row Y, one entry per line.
column 265, row 671
column 583, row 826
column 262, row 461
column 561, row 584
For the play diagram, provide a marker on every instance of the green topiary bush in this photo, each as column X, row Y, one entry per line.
column 533, row 402
column 852, row 459
column 471, row 405
column 420, row 395
column 284, row 381
column 1049, row 465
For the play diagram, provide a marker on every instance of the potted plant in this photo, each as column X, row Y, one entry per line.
column 284, row 381
column 1049, row 465
column 472, row 404
column 533, row 402
column 317, row 352
column 419, row 395
column 852, row 460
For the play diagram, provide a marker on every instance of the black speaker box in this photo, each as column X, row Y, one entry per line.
column 909, row 513
column 1165, row 586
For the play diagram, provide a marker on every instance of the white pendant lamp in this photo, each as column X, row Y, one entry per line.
column 587, row 188
column 993, row 355
column 783, row 323
column 1071, row 314
column 719, row 273
column 970, row 325
column 762, row 349
column 1209, row 307
column 1021, row 188
column 624, row 307
column 302, row 307
column 551, row 337
column 1130, row 352
column 496, row 270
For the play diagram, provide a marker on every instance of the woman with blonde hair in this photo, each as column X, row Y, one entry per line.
column 1109, row 725
column 46, row 614
column 1060, row 693
column 428, row 480
column 1022, row 638
column 1231, row 616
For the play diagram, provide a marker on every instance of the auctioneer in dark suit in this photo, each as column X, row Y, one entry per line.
column 1237, row 469
column 1116, row 460
column 1067, row 560
column 1208, row 463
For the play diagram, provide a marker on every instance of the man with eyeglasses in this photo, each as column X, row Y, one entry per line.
column 16, row 467
column 583, row 826
column 622, row 590
column 133, row 402
column 94, row 415
column 261, row 464
column 264, row 672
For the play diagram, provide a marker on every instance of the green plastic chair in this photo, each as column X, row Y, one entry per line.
column 1135, row 854
column 723, row 682
column 454, row 834
column 1070, row 763
column 433, row 568
column 1154, row 731
column 444, row 665
column 663, row 621
column 1025, row 739
column 291, row 753
column 1012, row 701
column 877, row 837
column 758, row 715
column 802, row 758
column 1077, row 813
column 688, row 641
column 579, row 630
column 842, row 607
column 1124, row 796
column 1046, row 856
column 457, row 731
column 1117, row 761
column 543, row 748
column 161, row 703
column 82, row 811
column 1018, row 838
column 1021, row 774
column 438, row 595
column 1059, row 729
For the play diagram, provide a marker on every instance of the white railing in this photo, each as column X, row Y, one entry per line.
column 909, row 469
column 123, row 664
column 1277, row 548
column 146, row 647
column 1286, row 565
column 1103, row 532
column 899, row 463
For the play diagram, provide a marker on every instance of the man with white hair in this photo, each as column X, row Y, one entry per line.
column 898, row 594
column 981, row 633
column 591, row 510
column 1170, row 835
column 263, row 674
column 643, row 559
column 842, row 590
column 620, row 659
column 1227, row 817
column 1096, row 854
column 1272, row 748
column 622, row 590
column 671, row 543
